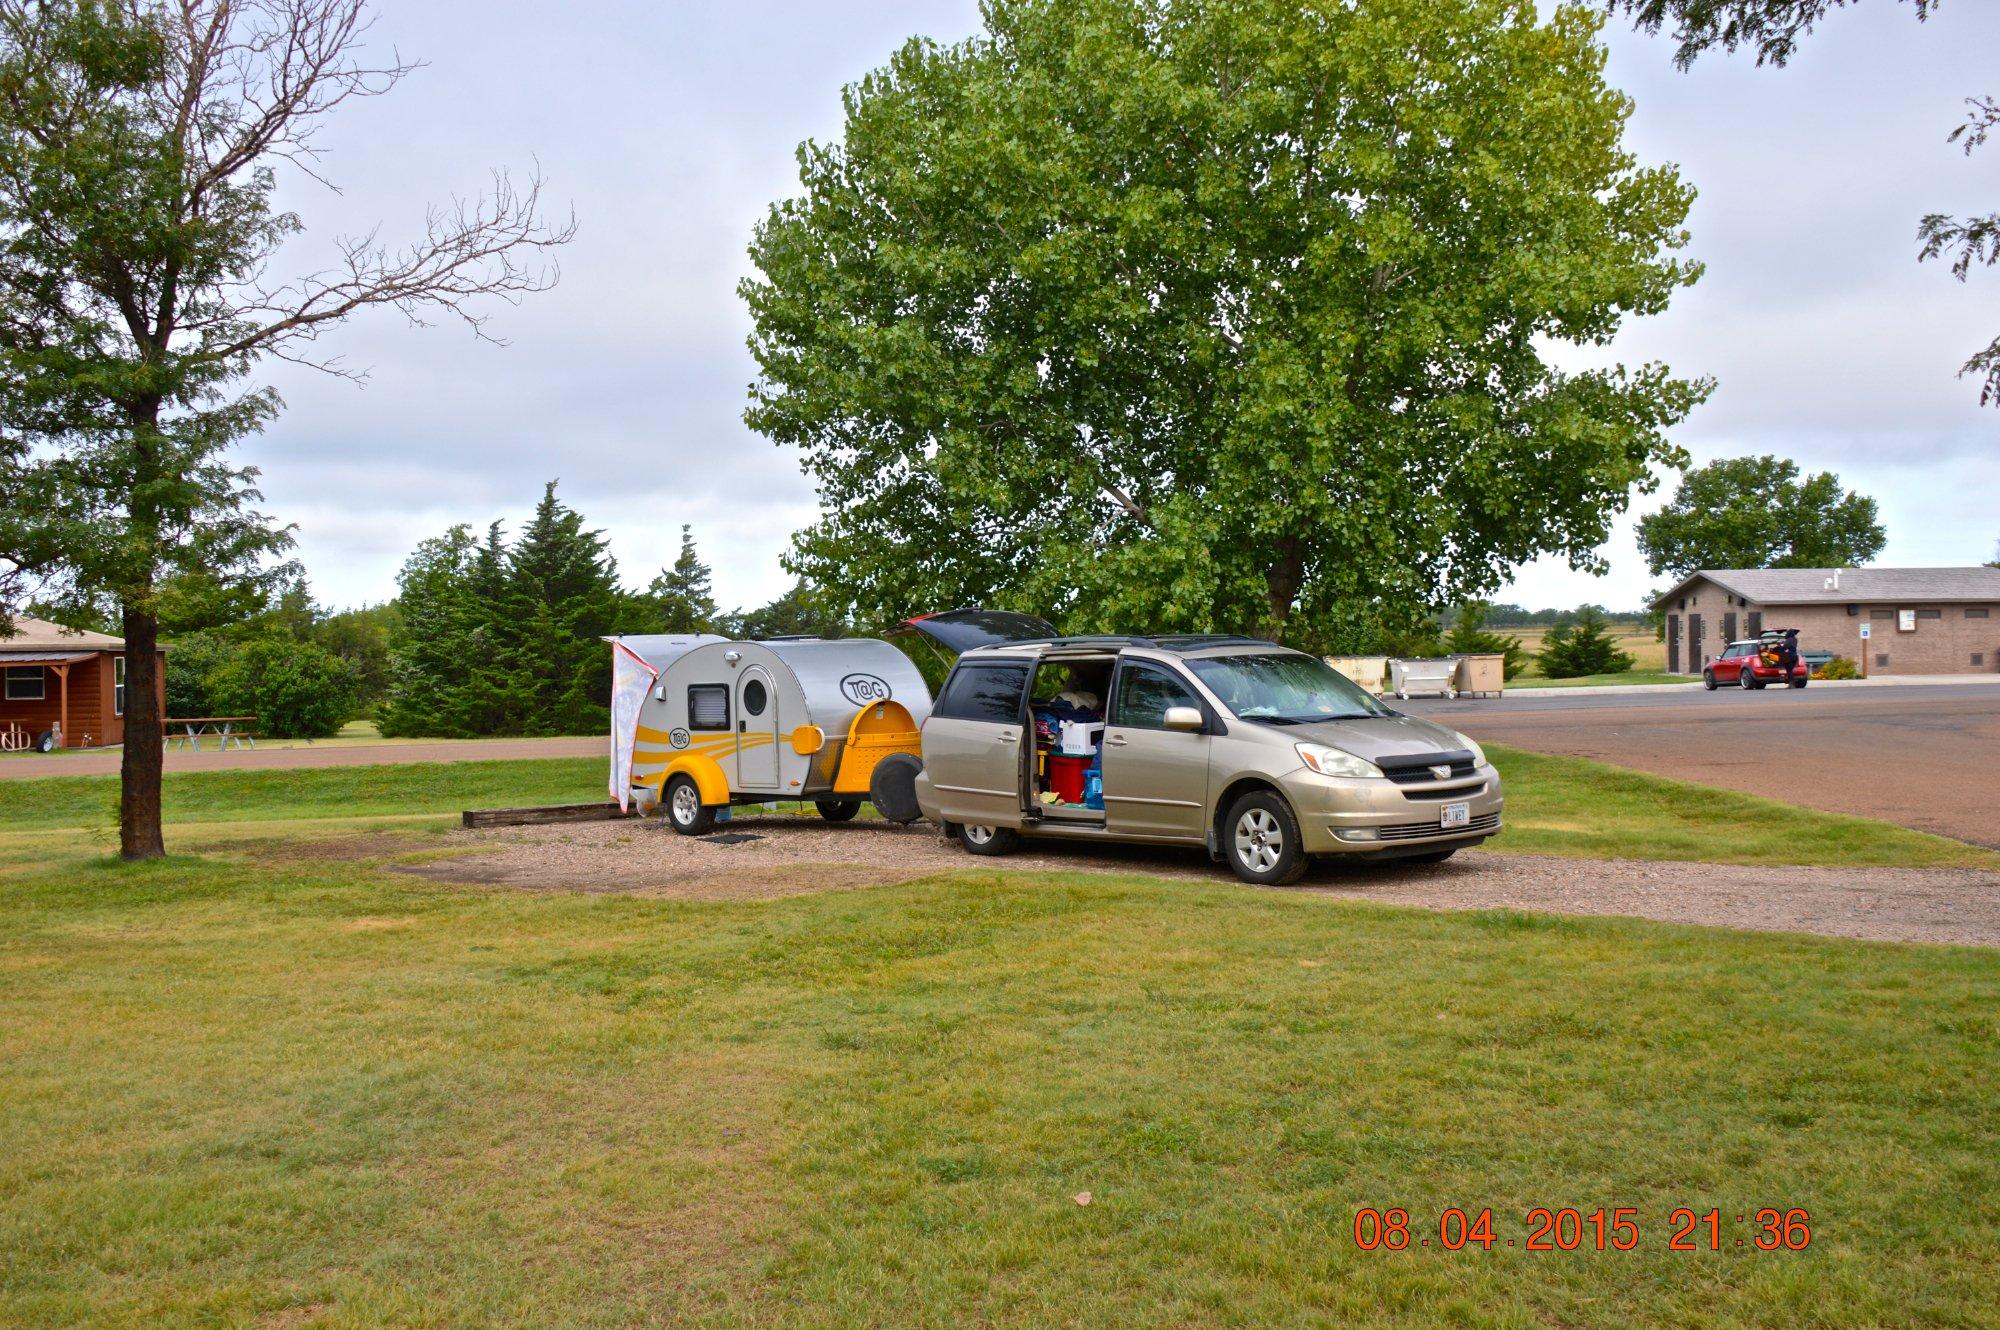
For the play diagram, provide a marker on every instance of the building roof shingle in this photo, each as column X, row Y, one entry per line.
column 1799, row 586
column 39, row 636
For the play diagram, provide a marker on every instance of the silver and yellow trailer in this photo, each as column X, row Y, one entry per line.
column 835, row 721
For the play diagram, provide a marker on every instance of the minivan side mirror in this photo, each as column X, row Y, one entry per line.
column 1186, row 719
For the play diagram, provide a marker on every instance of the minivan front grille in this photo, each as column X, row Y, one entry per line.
column 1431, row 830
column 1415, row 768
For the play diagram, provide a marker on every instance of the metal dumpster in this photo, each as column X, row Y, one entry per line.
column 1423, row 678
column 1482, row 674
column 1368, row 671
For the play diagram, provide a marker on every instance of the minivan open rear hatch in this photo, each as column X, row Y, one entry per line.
column 959, row 631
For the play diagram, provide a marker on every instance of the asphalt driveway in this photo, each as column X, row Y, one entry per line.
column 1924, row 756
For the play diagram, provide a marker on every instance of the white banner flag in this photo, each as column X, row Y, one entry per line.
column 631, row 679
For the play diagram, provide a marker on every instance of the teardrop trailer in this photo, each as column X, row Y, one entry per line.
column 720, row 723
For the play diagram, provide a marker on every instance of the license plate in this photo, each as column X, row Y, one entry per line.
column 1455, row 815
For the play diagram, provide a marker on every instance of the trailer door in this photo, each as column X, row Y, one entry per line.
column 756, row 730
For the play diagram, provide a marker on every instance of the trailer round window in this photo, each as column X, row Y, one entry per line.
column 754, row 697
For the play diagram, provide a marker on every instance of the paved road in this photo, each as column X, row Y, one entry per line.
column 271, row 759
column 1927, row 757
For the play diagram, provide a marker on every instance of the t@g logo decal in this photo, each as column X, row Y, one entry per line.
column 862, row 689
column 678, row 738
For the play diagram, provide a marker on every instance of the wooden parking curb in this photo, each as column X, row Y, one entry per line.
column 521, row 817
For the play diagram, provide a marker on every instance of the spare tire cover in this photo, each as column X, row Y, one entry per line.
column 892, row 787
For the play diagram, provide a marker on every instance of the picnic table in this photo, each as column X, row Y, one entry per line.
column 189, row 731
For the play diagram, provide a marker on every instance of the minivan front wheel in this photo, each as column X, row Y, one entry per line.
column 1261, row 839
column 978, row 838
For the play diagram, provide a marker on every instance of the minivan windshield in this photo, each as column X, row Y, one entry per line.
column 1285, row 689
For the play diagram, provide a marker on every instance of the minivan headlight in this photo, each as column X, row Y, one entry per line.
column 1333, row 762
column 1472, row 745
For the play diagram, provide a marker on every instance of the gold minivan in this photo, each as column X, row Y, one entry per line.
column 1264, row 755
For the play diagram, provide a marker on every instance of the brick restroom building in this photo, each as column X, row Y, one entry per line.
column 1920, row 620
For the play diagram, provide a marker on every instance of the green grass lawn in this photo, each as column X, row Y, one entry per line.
column 1624, row 680
column 264, row 1088
column 281, row 1092
column 1555, row 805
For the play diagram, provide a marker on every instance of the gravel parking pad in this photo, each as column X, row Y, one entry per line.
column 786, row 856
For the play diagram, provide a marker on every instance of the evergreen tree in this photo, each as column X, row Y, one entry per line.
column 562, row 596
column 1471, row 637
column 492, row 697
column 434, row 640
column 1583, row 646
column 680, row 599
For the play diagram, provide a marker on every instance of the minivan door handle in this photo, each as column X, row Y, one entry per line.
column 1116, row 741
column 1004, row 738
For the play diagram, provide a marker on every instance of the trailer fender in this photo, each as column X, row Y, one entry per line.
column 705, row 771
column 875, row 732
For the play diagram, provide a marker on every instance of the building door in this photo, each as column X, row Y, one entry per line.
column 1729, row 626
column 1695, row 657
column 756, row 731
column 1673, row 644
column 1756, row 622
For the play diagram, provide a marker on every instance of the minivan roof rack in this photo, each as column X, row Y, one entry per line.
column 1181, row 642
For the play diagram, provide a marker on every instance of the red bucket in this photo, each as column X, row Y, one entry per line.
column 1066, row 777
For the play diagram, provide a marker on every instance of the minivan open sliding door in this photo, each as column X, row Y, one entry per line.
column 975, row 742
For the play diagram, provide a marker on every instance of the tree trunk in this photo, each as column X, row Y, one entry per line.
column 145, row 748
column 1281, row 584
column 140, row 769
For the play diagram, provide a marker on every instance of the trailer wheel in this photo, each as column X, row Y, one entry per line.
column 892, row 787
column 685, row 811
column 837, row 810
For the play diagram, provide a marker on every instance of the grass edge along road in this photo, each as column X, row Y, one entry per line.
column 1555, row 805
column 267, row 1090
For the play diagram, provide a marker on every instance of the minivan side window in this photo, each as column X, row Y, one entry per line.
column 984, row 692
column 1144, row 694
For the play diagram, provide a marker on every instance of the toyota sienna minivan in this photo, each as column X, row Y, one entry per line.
column 1264, row 755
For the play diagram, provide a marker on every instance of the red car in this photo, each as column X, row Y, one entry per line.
column 1742, row 664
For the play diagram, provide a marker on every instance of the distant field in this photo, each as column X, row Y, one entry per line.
column 1648, row 652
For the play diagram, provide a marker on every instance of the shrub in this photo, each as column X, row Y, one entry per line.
column 1584, row 646
column 295, row 689
column 1840, row 667
column 192, row 659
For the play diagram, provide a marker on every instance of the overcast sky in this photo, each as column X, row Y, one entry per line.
column 671, row 127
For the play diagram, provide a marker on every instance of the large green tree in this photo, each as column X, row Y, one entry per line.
column 142, row 280
column 1756, row 512
column 1217, row 313
column 1772, row 28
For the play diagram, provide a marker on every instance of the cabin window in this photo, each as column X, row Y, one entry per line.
column 26, row 683
column 984, row 692
column 708, row 706
column 1930, row 614
column 1975, row 614
column 755, row 695
column 118, row 685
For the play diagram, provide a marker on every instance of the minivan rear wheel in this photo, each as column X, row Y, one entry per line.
column 1261, row 840
column 978, row 838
